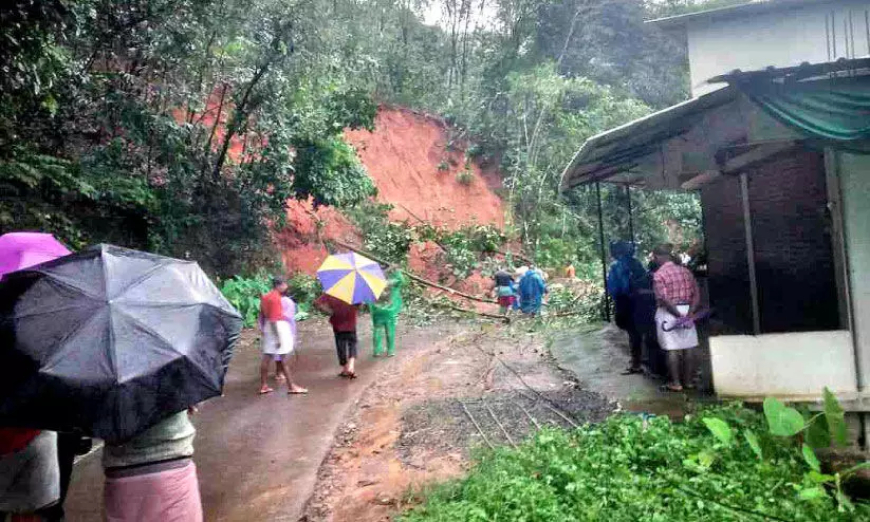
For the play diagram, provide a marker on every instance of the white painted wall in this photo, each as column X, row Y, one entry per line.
column 792, row 365
column 854, row 172
column 780, row 38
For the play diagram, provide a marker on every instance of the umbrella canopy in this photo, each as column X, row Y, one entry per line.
column 110, row 341
column 352, row 278
column 23, row 249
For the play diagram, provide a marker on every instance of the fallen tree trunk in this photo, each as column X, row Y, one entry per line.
column 466, row 310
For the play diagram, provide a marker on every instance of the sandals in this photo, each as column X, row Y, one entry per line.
column 264, row 391
column 671, row 388
column 632, row 371
column 348, row 375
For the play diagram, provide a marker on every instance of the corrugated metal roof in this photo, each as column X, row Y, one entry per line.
column 804, row 71
column 733, row 11
column 611, row 154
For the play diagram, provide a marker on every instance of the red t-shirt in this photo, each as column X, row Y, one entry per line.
column 343, row 318
column 270, row 307
column 15, row 439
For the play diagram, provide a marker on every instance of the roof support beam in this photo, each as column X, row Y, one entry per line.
column 755, row 156
column 750, row 253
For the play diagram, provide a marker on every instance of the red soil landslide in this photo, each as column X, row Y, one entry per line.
column 402, row 156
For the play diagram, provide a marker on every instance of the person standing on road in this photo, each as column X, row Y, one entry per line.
column 505, row 291
column 625, row 281
column 385, row 316
column 678, row 297
column 152, row 476
column 532, row 289
column 342, row 317
column 278, row 338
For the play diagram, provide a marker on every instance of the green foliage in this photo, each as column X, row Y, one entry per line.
column 304, row 289
column 719, row 429
column 181, row 127
column 244, row 293
column 329, row 171
column 754, row 444
column 386, row 240
column 782, row 420
column 789, row 429
column 465, row 177
column 631, row 468
column 390, row 242
column 185, row 126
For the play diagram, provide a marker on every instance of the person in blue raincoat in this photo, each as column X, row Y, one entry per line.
column 629, row 284
column 531, row 289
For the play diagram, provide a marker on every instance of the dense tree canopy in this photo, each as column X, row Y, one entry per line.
column 184, row 126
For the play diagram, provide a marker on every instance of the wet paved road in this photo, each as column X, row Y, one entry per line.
column 257, row 456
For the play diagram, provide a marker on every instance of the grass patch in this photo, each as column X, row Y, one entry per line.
column 629, row 468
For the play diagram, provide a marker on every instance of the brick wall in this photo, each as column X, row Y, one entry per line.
column 728, row 276
column 794, row 261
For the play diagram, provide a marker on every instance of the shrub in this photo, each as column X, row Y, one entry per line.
column 244, row 293
column 465, row 177
column 634, row 467
column 304, row 289
column 443, row 166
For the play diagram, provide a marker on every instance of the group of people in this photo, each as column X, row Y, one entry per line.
column 279, row 333
column 152, row 476
column 524, row 290
column 656, row 306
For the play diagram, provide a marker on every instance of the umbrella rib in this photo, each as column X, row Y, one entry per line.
column 143, row 277
column 46, row 312
column 51, row 358
column 68, row 284
column 110, row 352
column 161, row 339
column 167, row 304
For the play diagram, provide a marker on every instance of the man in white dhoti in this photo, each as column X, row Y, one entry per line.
column 677, row 296
column 277, row 338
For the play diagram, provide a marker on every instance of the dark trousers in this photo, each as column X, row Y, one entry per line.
column 345, row 345
column 635, row 345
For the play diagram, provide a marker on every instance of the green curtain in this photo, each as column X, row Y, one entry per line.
column 828, row 109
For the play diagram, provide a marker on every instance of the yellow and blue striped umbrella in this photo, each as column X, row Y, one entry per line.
column 352, row 278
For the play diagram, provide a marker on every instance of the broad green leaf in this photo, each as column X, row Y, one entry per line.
column 782, row 420
column 706, row 459
column 820, row 478
column 810, row 458
column 752, row 440
column 812, row 493
column 836, row 418
column 719, row 429
column 818, row 434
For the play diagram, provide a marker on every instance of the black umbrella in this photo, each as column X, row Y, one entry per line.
column 110, row 341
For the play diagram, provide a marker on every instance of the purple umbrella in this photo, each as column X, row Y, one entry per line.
column 19, row 250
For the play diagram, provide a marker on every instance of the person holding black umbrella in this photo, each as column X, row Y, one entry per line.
column 152, row 477
column 118, row 344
